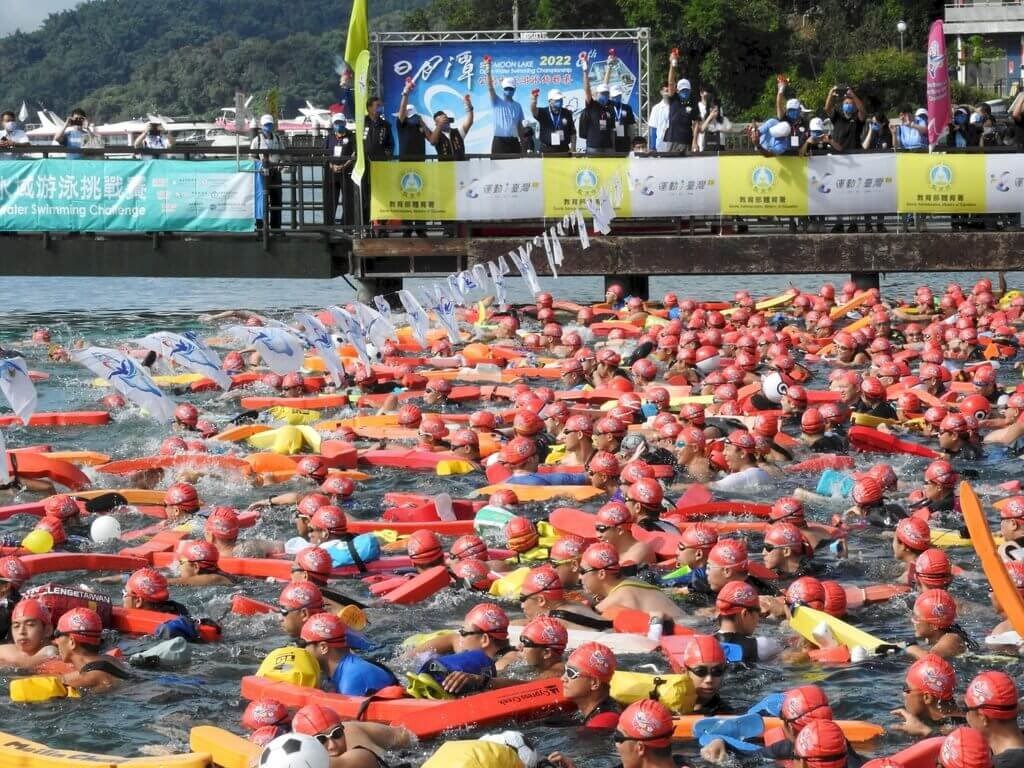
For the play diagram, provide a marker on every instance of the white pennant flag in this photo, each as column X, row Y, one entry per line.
column 354, row 331
column 384, row 308
column 503, row 265
column 5, row 474
column 483, row 280
column 567, row 221
column 282, row 350
column 316, row 335
column 189, row 351
column 498, row 279
column 581, row 228
column 454, row 291
column 556, row 244
column 600, row 224
column 525, row 267
column 444, row 309
column 17, row 386
column 417, row 317
column 376, row 328
column 129, row 379
column 548, row 254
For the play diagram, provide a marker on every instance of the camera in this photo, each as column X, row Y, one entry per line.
column 842, row 89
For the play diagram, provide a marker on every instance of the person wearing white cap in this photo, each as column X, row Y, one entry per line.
column 154, row 137
column 625, row 121
column 597, row 124
column 557, row 129
column 450, row 141
column 507, row 115
column 341, row 149
column 266, row 145
column 770, row 137
column 412, row 133
column 684, row 117
column 818, row 141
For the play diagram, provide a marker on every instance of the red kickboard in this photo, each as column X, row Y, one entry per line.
column 56, row 562
column 419, row 587
column 821, row 463
column 424, row 717
column 243, row 605
column 440, row 527
column 730, row 508
column 34, row 508
column 61, row 419
column 306, row 403
column 163, row 541
column 924, row 754
column 39, row 466
column 871, row 440
column 406, row 458
column 136, row 621
column 637, row 622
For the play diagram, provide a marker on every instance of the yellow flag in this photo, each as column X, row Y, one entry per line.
column 358, row 39
column 362, row 68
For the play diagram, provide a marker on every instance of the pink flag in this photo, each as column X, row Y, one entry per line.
column 940, row 105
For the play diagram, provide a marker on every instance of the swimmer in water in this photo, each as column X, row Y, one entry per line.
column 78, row 638
column 31, row 631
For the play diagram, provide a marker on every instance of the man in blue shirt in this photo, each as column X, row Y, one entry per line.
column 326, row 638
column 912, row 132
column 77, row 133
column 507, row 115
column 771, row 137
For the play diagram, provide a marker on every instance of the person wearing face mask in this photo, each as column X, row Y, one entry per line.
column 265, row 147
column 340, row 146
column 450, row 141
column 847, row 127
column 598, row 113
column 912, row 132
column 378, row 143
column 792, row 111
column 557, row 131
column 962, row 133
column 684, row 117
column 412, row 144
column 507, row 116
column 625, row 121
column 877, row 138
column 658, row 121
column 154, row 137
column 11, row 134
column 714, row 123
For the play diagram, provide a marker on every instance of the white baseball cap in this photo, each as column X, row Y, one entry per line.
column 780, row 130
column 267, row 119
column 410, row 110
column 921, row 112
column 602, row 88
column 508, row 82
column 616, row 91
column 337, row 117
column 794, row 104
column 683, row 85
column 817, row 124
column 554, row 95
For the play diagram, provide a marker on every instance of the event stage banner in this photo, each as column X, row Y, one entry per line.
column 752, row 185
column 1004, row 191
column 664, row 186
column 513, row 187
column 413, row 191
column 570, row 181
column 127, row 195
column 941, row 183
column 443, row 72
column 850, row 184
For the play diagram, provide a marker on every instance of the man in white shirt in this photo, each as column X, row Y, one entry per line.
column 657, row 123
column 11, row 134
column 262, row 146
column 155, row 137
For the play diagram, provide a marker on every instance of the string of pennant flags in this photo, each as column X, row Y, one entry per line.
column 283, row 347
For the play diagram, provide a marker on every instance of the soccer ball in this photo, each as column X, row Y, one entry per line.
column 294, row 750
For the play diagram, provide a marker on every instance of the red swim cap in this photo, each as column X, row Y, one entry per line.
column 314, row 719
column 735, row 597
column 600, row 557
column 148, row 584
column 489, row 618
column 993, row 694
column 545, row 632
column 182, row 495
column 965, row 748
column 933, row 675
column 315, row 562
column 803, row 704
column 703, row 650
column 299, row 595
column 263, row 713
column 822, row 744
column 593, row 660
column 649, row 721
column 325, row 628
column 936, row 607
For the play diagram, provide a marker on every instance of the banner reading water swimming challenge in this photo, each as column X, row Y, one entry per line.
column 736, row 185
column 127, row 195
column 443, row 72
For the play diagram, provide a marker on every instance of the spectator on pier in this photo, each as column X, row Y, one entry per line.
column 11, row 134
column 77, row 133
column 450, row 141
column 266, row 147
column 792, row 111
column 625, row 120
column 154, row 137
column 877, row 138
column 378, row 143
column 770, row 137
column 557, row 131
column 912, row 132
column 848, row 120
column 684, row 117
column 507, row 115
column 658, row 122
column 962, row 132
column 341, row 149
column 347, row 99
column 598, row 112
column 412, row 133
column 714, row 124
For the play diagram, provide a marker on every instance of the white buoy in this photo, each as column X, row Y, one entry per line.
column 105, row 528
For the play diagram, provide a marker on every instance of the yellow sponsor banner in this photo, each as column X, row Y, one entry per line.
column 752, row 185
column 412, row 191
column 570, row 181
column 940, row 183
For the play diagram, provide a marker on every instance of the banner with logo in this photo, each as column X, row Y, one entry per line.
column 413, row 191
column 127, row 195
column 570, row 181
column 663, row 186
column 941, row 183
column 443, row 72
column 1004, row 191
column 850, row 184
column 752, row 185
column 513, row 187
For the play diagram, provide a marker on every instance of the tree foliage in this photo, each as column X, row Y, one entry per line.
column 123, row 58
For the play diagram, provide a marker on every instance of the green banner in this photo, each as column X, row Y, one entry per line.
column 361, row 73
column 127, row 195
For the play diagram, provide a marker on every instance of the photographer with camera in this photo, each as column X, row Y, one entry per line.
column 77, row 133
column 10, row 134
column 817, row 142
column 155, row 137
